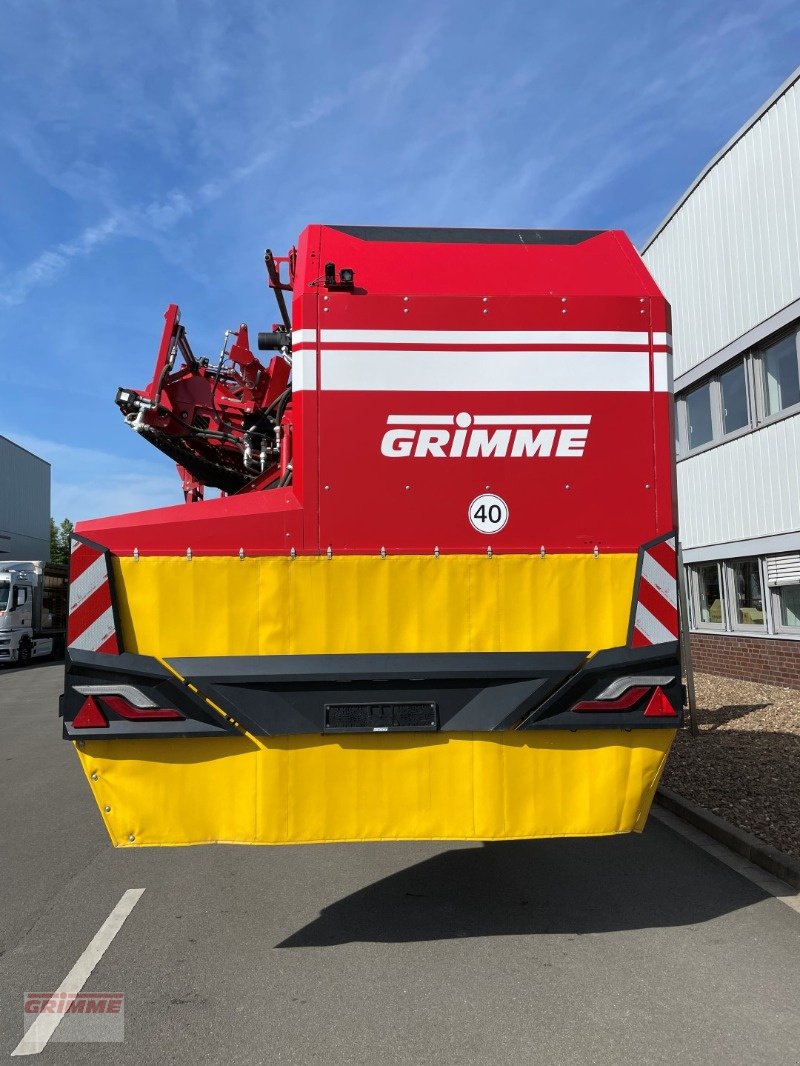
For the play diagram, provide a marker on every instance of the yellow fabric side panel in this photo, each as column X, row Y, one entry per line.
column 359, row 604
column 304, row 789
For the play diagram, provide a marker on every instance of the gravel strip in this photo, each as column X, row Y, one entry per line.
column 745, row 764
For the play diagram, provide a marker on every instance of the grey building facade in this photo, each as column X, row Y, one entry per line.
column 727, row 257
column 24, row 503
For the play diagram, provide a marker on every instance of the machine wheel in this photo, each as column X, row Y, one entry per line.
column 24, row 653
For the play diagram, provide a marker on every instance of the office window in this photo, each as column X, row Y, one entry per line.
column 733, row 397
column 779, row 375
column 709, row 595
column 748, row 595
column 789, row 606
column 699, row 426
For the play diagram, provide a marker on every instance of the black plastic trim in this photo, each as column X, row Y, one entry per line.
column 287, row 694
column 448, row 235
column 656, row 660
column 153, row 680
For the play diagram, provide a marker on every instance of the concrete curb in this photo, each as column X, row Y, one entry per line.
column 778, row 863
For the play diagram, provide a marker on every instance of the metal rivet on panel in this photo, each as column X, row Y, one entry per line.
column 542, row 552
column 566, row 486
column 241, row 553
column 136, row 555
column 131, row 838
column 436, row 552
column 94, row 776
column 292, row 554
column 596, row 551
column 383, row 553
column 107, row 809
column 330, row 552
column 189, row 554
column 489, row 552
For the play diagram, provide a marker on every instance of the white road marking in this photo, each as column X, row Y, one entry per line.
column 35, row 1040
column 773, row 885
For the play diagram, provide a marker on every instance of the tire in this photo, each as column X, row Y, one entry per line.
column 24, row 653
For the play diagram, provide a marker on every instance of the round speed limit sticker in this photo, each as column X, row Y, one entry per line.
column 488, row 513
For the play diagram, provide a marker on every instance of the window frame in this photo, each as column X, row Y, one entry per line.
column 696, row 614
column 730, row 595
column 775, row 603
column 759, row 375
column 718, row 434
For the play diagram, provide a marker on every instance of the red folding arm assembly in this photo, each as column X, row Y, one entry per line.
column 229, row 425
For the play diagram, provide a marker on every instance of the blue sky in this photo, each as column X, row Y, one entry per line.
column 149, row 152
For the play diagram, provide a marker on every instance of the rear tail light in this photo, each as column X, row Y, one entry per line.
column 124, row 700
column 625, row 692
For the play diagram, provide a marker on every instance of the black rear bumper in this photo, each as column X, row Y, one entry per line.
column 318, row 694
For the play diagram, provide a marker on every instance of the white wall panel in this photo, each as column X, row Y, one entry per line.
column 749, row 487
column 730, row 255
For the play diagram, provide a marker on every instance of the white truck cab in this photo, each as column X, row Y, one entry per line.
column 33, row 610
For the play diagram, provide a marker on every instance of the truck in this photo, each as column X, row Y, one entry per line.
column 33, row 610
column 433, row 595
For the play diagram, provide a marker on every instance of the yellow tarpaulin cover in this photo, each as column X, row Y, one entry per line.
column 388, row 786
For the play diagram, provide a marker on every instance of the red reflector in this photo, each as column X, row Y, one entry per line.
column 89, row 716
column 624, row 703
column 126, row 710
column 660, row 707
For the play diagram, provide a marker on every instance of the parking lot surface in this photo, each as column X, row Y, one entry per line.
column 637, row 949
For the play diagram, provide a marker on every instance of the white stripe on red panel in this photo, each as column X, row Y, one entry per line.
column 387, row 370
column 97, row 633
column 656, row 617
column 484, row 337
column 649, row 627
column 90, row 625
column 87, row 583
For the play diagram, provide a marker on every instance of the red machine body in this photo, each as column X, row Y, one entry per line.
column 528, row 365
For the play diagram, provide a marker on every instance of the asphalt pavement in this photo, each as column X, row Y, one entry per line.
column 636, row 949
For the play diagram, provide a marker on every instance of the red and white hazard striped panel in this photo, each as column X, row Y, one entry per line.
column 656, row 618
column 91, row 617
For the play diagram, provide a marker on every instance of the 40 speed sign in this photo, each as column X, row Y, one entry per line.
column 488, row 513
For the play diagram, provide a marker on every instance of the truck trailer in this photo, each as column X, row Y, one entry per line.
column 33, row 610
column 435, row 596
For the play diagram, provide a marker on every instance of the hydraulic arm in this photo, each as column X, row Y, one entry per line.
column 229, row 425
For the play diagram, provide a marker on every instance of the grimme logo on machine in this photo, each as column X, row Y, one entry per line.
column 485, row 436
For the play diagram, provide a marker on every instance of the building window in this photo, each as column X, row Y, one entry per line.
column 700, row 429
column 733, row 397
column 779, row 375
column 708, row 604
column 788, row 611
column 748, row 595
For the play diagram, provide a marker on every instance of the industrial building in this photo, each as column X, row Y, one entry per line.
column 727, row 257
column 24, row 503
